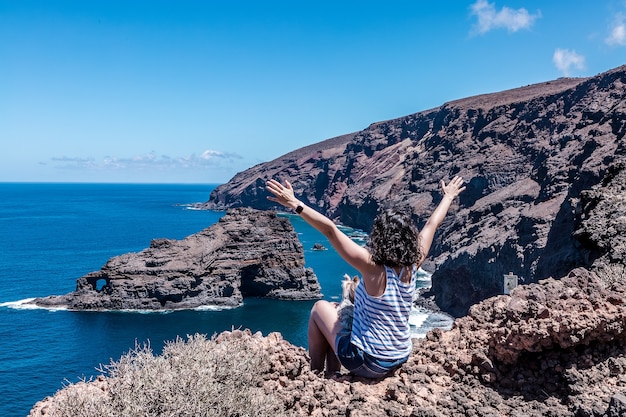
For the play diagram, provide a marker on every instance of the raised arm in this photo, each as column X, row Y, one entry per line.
column 357, row 256
column 427, row 233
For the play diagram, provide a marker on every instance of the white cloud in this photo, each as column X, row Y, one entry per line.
column 512, row 20
column 618, row 32
column 564, row 59
column 149, row 161
column 208, row 154
column 73, row 159
column 73, row 162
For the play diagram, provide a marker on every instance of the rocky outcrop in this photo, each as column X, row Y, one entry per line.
column 247, row 253
column 602, row 229
column 531, row 157
column 555, row 348
column 320, row 160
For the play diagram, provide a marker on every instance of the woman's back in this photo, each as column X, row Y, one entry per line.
column 381, row 323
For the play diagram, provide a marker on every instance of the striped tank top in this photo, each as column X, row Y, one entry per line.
column 381, row 324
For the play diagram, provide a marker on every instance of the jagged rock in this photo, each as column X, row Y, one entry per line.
column 603, row 226
column 247, row 253
column 247, row 188
column 318, row 246
column 617, row 406
column 529, row 155
column 555, row 348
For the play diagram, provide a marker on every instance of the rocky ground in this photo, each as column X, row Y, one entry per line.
column 555, row 348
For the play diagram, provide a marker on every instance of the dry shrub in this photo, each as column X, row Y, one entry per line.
column 81, row 400
column 196, row 377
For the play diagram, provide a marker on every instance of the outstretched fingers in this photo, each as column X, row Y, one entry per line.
column 283, row 193
column 454, row 187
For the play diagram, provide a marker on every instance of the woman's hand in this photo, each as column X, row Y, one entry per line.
column 453, row 188
column 283, row 194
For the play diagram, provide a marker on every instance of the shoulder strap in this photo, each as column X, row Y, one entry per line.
column 404, row 269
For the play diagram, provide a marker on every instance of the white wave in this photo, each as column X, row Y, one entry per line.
column 423, row 276
column 422, row 321
column 207, row 307
column 132, row 311
column 214, row 308
column 417, row 317
column 27, row 304
column 166, row 310
column 357, row 235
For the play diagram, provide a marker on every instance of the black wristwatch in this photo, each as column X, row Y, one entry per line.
column 299, row 209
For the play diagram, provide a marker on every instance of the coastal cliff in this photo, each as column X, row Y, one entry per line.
column 533, row 158
column 546, row 173
column 247, row 253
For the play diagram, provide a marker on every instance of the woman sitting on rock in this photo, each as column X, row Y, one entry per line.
column 381, row 336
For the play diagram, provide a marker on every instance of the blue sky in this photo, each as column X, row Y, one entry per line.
column 196, row 91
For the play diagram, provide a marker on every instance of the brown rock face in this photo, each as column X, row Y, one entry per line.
column 247, row 253
column 528, row 155
column 555, row 348
column 603, row 225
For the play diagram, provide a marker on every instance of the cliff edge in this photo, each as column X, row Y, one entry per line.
column 555, row 348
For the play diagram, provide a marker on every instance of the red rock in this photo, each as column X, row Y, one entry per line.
column 530, row 156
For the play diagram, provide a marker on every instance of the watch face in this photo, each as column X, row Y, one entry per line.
column 299, row 209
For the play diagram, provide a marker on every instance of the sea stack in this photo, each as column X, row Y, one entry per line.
column 247, row 253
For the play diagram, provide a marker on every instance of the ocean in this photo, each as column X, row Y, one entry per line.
column 51, row 234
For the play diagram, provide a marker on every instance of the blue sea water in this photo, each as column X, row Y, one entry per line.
column 52, row 234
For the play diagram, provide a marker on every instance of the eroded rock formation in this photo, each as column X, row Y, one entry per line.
column 530, row 156
column 247, row 253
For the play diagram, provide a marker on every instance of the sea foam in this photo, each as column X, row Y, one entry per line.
column 27, row 304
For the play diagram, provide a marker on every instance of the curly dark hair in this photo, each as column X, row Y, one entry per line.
column 394, row 239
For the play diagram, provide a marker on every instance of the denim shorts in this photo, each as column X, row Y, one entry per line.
column 360, row 363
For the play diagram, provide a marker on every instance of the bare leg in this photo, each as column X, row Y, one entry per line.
column 332, row 362
column 317, row 346
column 323, row 328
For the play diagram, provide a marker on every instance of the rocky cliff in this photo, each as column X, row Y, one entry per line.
column 555, row 348
column 247, row 253
column 533, row 158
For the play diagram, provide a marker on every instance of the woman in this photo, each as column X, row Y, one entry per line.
column 381, row 337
